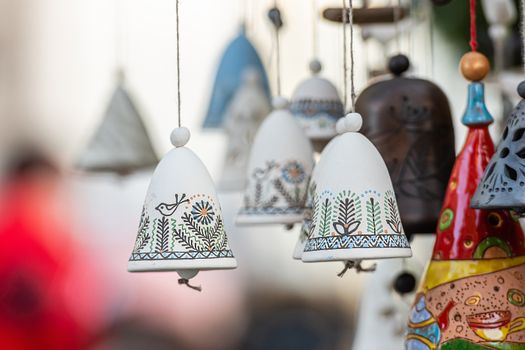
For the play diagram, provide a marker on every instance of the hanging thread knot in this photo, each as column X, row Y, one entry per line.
column 187, row 283
column 351, row 264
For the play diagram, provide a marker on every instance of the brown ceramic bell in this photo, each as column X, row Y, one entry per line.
column 409, row 121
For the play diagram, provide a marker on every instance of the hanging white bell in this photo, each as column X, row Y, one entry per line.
column 121, row 143
column 355, row 214
column 279, row 170
column 316, row 105
column 248, row 108
column 181, row 227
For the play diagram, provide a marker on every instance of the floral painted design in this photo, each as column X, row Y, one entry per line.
column 203, row 212
column 277, row 189
column 188, row 228
column 293, row 172
column 347, row 219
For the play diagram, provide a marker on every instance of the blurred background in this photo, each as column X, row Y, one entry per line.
column 65, row 236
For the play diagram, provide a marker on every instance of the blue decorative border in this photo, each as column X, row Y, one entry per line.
column 271, row 211
column 310, row 108
column 215, row 254
column 356, row 241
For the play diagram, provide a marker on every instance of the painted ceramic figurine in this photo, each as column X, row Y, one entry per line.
column 473, row 293
column 410, row 123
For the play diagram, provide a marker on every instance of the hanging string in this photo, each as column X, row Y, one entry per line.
column 178, row 64
column 397, row 17
column 345, row 63
column 352, row 83
column 120, row 45
column 473, row 32
column 187, row 283
column 278, row 61
column 315, row 30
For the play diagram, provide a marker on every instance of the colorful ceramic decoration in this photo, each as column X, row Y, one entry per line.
column 248, row 108
column 239, row 56
column 409, row 121
column 121, row 143
column 383, row 304
column 503, row 184
column 279, row 170
column 473, row 293
column 355, row 214
column 316, row 105
column 181, row 227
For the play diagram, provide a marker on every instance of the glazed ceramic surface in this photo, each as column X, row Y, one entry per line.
column 317, row 106
column 181, row 226
column 248, row 108
column 381, row 304
column 279, row 170
column 472, row 296
column 238, row 57
column 503, row 184
column 121, row 143
column 354, row 213
column 409, row 121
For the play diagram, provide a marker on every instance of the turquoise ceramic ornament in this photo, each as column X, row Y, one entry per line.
column 239, row 57
column 355, row 214
column 279, row 169
column 181, row 228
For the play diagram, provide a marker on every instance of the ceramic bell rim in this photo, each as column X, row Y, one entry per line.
column 316, row 105
column 181, row 227
column 279, row 169
column 355, row 214
column 503, row 183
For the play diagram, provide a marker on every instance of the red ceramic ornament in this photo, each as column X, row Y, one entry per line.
column 473, row 293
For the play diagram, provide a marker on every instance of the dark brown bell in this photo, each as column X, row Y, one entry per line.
column 409, row 121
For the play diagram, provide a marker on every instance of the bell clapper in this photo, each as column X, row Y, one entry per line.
column 288, row 227
column 185, row 276
column 356, row 264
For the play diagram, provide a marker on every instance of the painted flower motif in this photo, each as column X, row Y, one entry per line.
column 293, row 172
column 202, row 212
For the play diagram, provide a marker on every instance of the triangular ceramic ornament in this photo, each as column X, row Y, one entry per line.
column 503, row 183
column 121, row 143
column 279, row 170
column 239, row 56
column 472, row 293
column 181, row 227
column 248, row 108
column 355, row 214
column 316, row 105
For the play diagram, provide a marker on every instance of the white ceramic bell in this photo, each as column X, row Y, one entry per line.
column 181, row 228
column 317, row 105
column 279, row 170
column 355, row 214
column 248, row 108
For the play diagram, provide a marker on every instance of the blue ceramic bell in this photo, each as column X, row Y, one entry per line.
column 239, row 56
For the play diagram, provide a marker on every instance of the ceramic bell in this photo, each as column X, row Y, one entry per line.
column 409, row 121
column 121, row 143
column 472, row 294
column 503, row 184
column 239, row 56
column 355, row 214
column 279, row 170
column 181, row 228
column 316, row 105
column 248, row 108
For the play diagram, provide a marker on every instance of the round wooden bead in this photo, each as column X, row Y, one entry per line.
column 398, row 64
column 405, row 283
column 474, row 66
